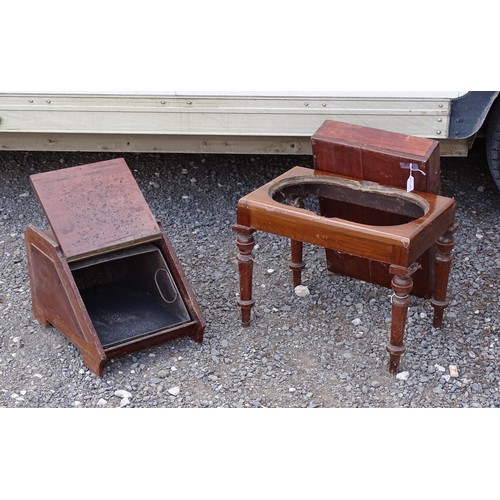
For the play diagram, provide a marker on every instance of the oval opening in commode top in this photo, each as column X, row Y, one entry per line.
column 356, row 201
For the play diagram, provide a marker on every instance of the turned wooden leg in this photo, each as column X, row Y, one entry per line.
column 245, row 243
column 442, row 260
column 401, row 285
column 296, row 265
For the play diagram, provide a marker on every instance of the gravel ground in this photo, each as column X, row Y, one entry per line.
column 324, row 350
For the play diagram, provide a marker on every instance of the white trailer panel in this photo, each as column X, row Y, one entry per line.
column 204, row 123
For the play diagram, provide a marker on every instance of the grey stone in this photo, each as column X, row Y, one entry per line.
column 303, row 340
column 121, row 393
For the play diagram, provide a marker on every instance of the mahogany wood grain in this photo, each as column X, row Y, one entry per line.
column 245, row 243
column 428, row 218
column 375, row 155
column 296, row 265
column 443, row 259
column 93, row 210
column 401, row 285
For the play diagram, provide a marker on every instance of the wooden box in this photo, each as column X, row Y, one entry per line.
column 105, row 274
column 375, row 155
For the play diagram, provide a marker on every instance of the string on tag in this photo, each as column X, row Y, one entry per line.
column 412, row 167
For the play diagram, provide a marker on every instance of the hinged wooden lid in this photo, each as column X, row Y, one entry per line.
column 95, row 208
column 376, row 155
column 368, row 138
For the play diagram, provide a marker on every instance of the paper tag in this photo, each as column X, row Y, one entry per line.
column 412, row 167
column 410, row 183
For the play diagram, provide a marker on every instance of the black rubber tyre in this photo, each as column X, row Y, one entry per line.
column 493, row 142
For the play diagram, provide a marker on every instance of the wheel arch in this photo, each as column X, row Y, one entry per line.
column 470, row 112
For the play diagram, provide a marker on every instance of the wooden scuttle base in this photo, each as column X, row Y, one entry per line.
column 57, row 300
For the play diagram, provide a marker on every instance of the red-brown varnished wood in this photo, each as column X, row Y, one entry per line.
column 443, row 260
column 56, row 299
column 296, row 265
column 401, row 285
column 93, row 210
column 375, row 155
column 400, row 244
column 273, row 208
column 245, row 243
column 185, row 288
